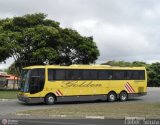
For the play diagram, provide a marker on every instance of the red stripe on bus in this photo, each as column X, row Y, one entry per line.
column 131, row 87
column 57, row 93
column 127, row 87
column 60, row 92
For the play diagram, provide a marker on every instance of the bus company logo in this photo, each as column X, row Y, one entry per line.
column 58, row 93
column 4, row 122
column 129, row 88
column 80, row 84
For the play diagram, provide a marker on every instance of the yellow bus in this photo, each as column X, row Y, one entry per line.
column 52, row 83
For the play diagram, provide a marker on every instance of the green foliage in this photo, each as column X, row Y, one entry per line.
column 77, row 49
column 125, row 64
column 31, row 39
column 154, row 74
column 8, row 94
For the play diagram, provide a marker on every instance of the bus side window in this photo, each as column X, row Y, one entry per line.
column 104, row 75
column 93, row 75
column 60, row 74
column 77, row 74
column 136, row 75
column 141, row 75
column 118, row 75
column 86, row 74
column 110, row 77
column 128, row 75
column 74, row 74
column 90, row 74
column 51, row 74
column 68, row 75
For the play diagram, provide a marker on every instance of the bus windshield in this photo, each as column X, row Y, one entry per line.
column 24, row 86
column 32, row 80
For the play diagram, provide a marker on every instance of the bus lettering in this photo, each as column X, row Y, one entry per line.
column 76, row 84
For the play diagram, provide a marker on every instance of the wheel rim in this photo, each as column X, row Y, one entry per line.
column 112, row 97
column 51, row 99
column 123, row 96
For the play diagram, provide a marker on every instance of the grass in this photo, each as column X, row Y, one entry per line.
column 8, row 94
column 108, row 110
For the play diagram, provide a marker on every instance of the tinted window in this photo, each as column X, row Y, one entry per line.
column 90, row 74
column 59, row 74
column 37, row 79
column 118, row 75
column 104, row 74
column 141, row 75
column 136, row 75
column 51, row 74
column 56, row 74
column 73, row 74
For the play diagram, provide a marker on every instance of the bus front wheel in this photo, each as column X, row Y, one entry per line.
column 111, row 96
column 50, row 99
column 123, row 96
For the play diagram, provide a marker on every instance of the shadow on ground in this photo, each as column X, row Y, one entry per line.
column 80, row 102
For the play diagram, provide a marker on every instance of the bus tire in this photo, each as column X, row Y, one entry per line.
column 111, row 97
column 123, row 96
column 50, row 99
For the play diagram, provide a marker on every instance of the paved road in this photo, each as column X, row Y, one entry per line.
column 12, row 106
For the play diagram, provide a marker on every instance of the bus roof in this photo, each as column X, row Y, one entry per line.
column 84, row 67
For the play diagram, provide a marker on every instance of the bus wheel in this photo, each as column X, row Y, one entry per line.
column 111, row 96
column 123, row 96
column 50, row 99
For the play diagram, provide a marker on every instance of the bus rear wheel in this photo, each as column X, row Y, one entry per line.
column 123, row 96
column 50, row 99
column 111, row 96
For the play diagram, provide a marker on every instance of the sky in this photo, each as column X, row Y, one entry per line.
column 127, row 30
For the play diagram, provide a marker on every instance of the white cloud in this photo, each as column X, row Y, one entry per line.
column 116, row 41
column 123, row 30
column 5, row 65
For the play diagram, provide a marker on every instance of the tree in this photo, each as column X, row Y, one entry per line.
column 154, row 74
column 117, row 63
column 32, row 39
column 126, row 64
column 4, row 53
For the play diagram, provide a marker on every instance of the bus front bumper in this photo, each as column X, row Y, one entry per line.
column 30, row 99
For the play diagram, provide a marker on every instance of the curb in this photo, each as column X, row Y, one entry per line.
column 21, row 114
column 4, row 100
column 94, row 117
column 64, row 116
